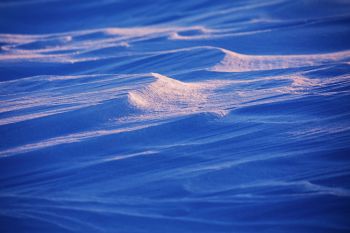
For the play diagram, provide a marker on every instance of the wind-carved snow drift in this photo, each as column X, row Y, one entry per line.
column 235, row 62
column 167, row 96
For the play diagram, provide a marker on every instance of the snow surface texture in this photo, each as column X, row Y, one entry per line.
column 174, row 116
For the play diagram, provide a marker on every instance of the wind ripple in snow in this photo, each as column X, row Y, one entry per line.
column 174, row 116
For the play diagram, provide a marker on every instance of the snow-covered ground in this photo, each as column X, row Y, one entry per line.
column 175, row 116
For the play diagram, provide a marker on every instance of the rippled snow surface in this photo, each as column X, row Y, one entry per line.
column 164, row 116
